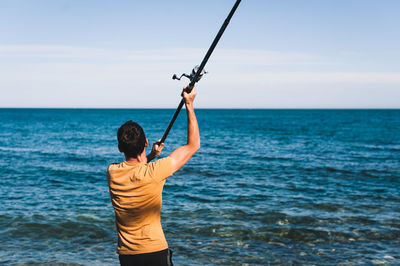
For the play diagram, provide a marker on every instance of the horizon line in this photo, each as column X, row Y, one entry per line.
column 210, row 108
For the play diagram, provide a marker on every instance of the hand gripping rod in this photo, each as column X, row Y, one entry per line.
column 194, row 79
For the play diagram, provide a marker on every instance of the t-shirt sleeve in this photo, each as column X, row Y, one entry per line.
column 108, row 173
column 161, row 169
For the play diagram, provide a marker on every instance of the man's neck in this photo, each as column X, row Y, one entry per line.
column 139, row 159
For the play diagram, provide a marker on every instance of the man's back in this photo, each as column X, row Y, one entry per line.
column 136, row 194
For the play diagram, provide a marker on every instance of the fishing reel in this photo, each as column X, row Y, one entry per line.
column 192, row 75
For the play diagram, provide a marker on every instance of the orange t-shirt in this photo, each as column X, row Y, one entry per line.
column 136, row 195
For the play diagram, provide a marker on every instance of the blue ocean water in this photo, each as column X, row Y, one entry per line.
column 268, row 187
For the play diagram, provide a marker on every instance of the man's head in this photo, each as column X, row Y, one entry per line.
column 131, row 139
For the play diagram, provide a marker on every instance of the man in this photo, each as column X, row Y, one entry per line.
column 136, row 190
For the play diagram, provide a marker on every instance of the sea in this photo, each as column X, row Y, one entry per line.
column 267, row 187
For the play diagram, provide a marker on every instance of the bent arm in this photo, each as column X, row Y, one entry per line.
column 181, row 155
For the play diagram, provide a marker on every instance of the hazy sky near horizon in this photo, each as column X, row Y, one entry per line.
column 274, row 54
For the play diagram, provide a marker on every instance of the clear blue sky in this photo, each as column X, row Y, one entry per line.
column 274, row 54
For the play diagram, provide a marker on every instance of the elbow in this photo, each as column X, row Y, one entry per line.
column 194, row 144
column 197, row 144
column 197, row 147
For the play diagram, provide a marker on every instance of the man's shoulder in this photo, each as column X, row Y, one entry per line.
column 113, row 166
column 160, row 162
column 161, row 168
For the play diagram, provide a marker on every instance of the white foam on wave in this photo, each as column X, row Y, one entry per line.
column 17, row 149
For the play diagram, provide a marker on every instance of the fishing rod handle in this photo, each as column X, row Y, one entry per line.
column 172, row 121
column 188, row 89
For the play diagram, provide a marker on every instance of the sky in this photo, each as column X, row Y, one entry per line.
column 274, row 54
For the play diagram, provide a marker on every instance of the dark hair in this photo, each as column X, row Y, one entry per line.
column 131, row 139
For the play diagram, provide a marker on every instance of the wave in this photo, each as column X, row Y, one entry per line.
column 82, row 230
column 17, row 149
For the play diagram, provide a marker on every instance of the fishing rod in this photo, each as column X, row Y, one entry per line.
column 198, row 71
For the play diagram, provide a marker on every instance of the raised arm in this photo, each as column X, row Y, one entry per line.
column 181, row 155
